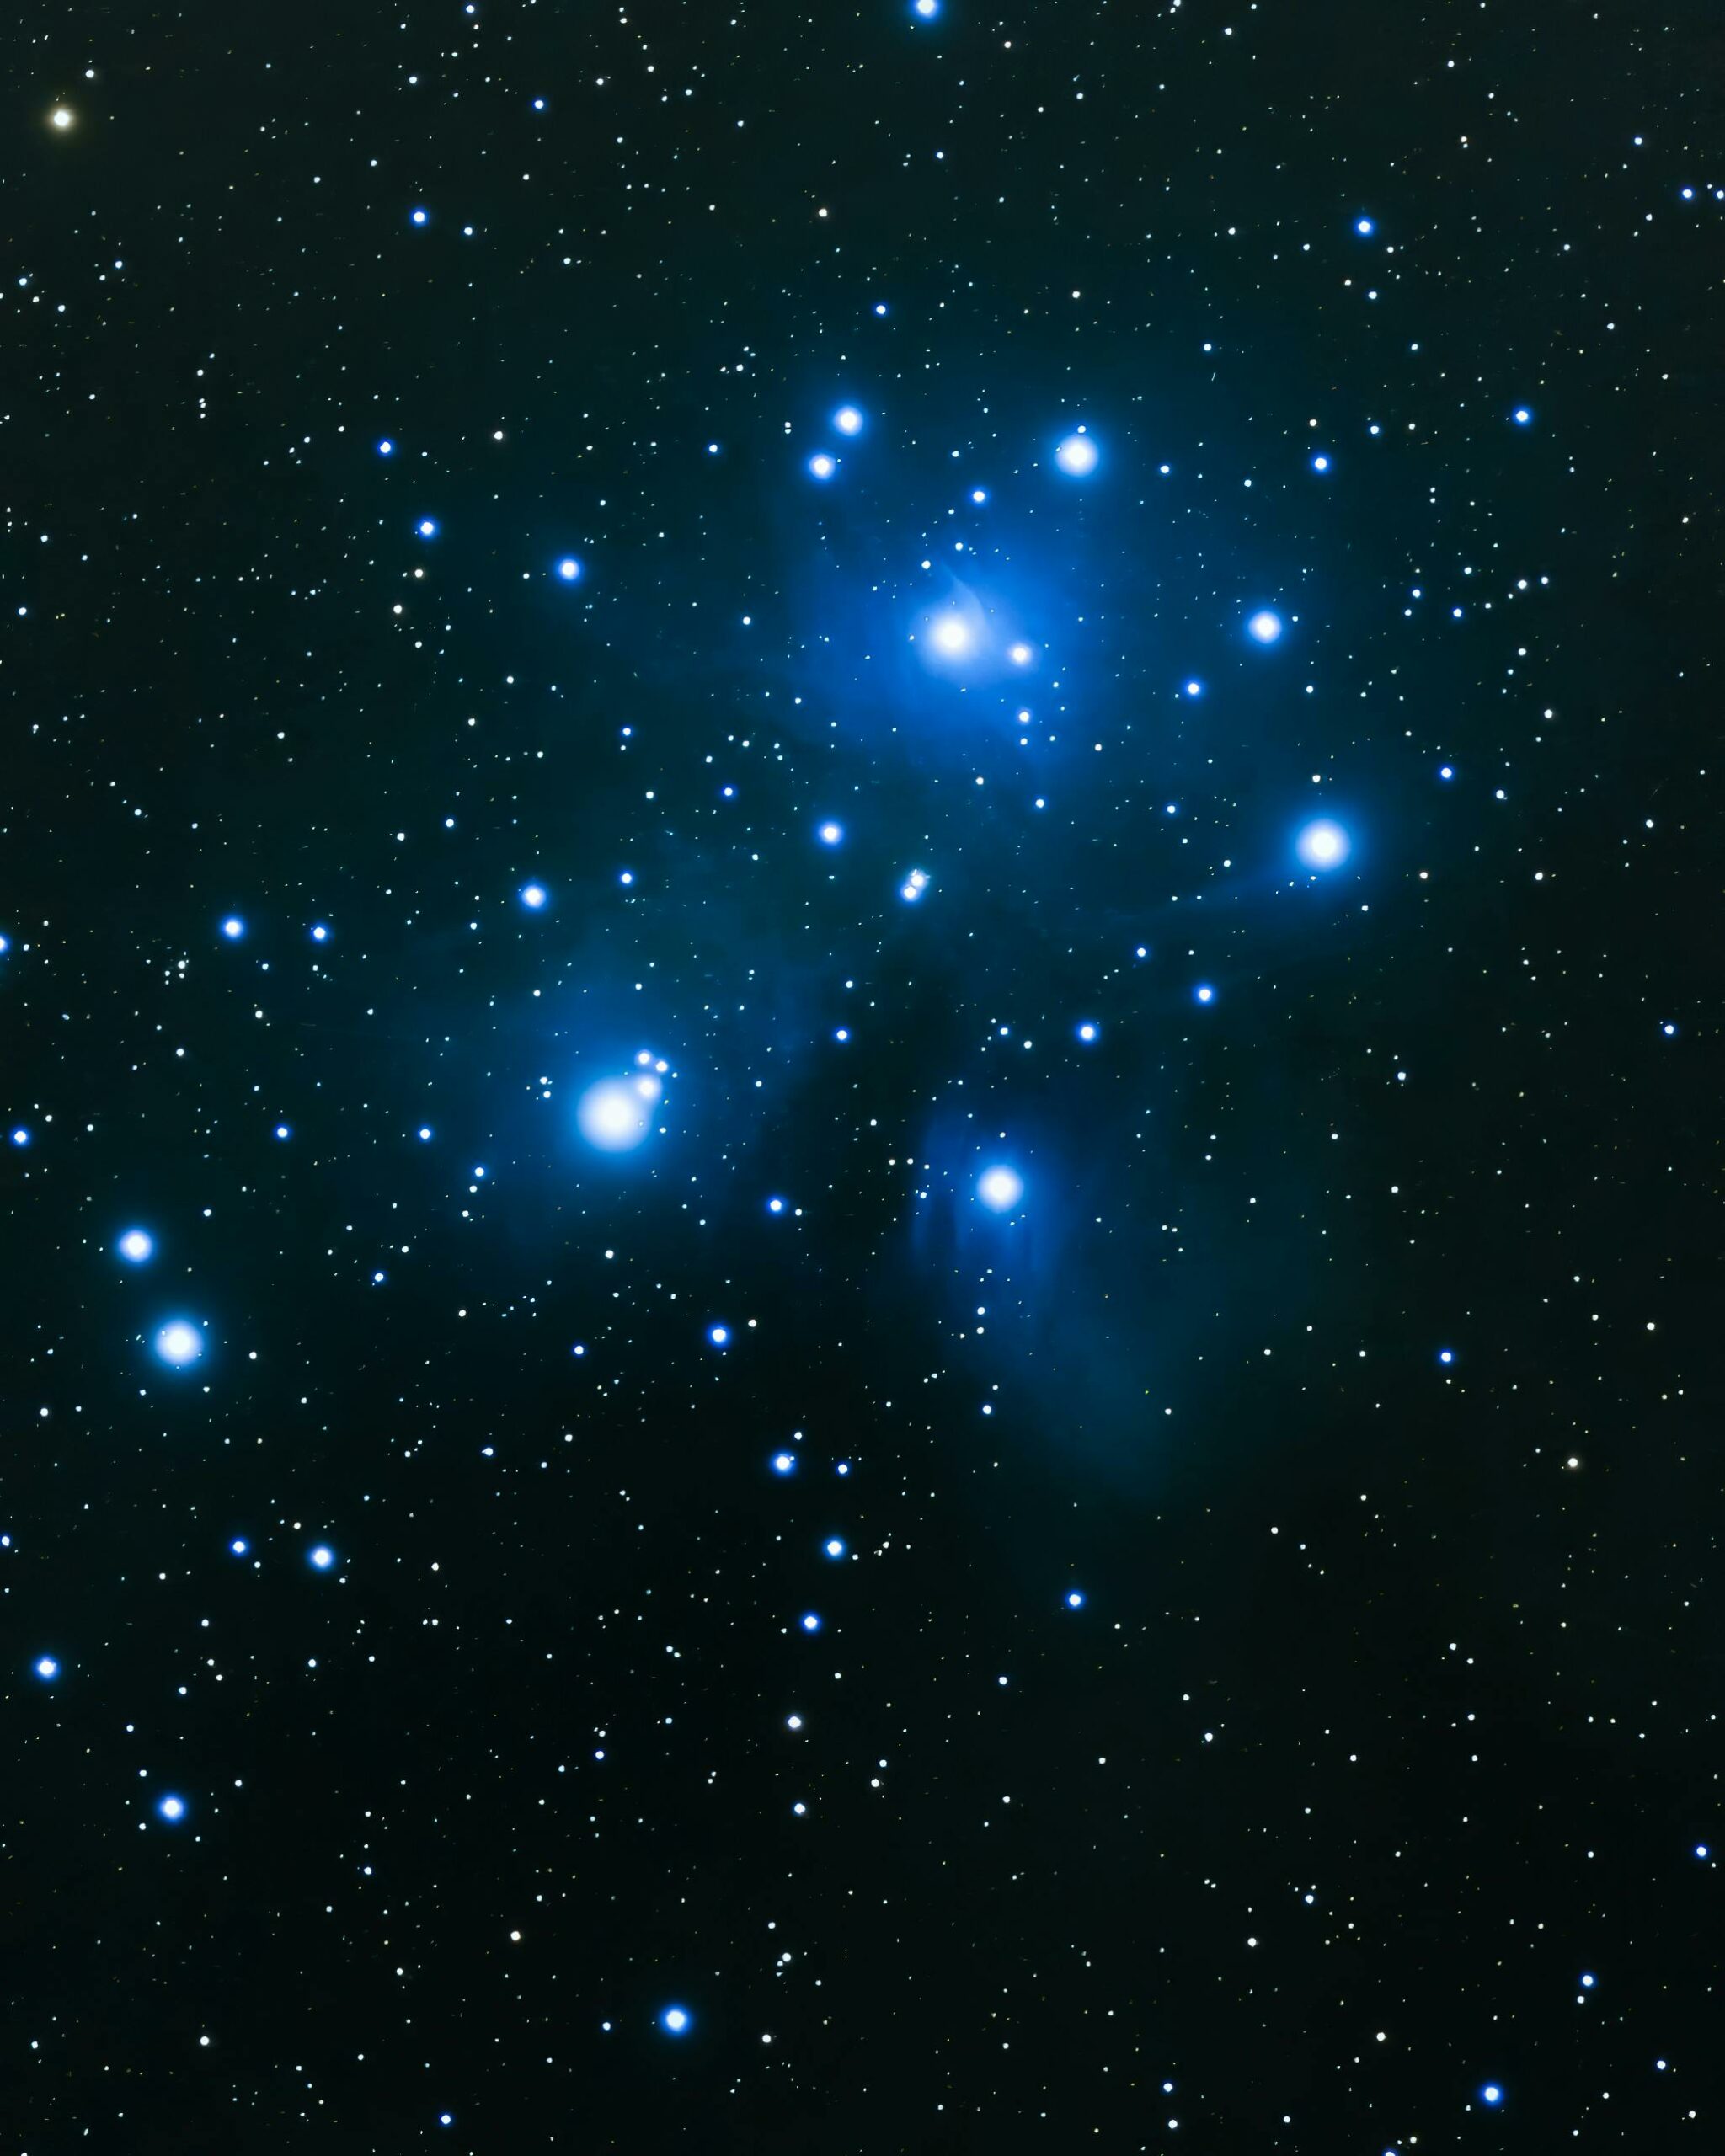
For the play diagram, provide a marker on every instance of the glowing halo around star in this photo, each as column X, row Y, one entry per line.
column 848, row 420
column 138, row 1245
column 999, row 1189
column 1078, row 456
column 1264, row 626
column 178, row 1343
column 1322, row 844
column 615, row 1115
column 821, row 466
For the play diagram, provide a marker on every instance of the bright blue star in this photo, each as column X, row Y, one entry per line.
column 1700, row 1850
column 427, row 527
column 821, row 466
column 1322, row 844
column 979, row 495
column 784, row 1463
column 178, row 1342
column 138, row 1245
column 1522, row 416
column 320, row 1557
column 239, row 1546
column 47, row 1668
column 1264, row 627
column 1587, row 1981
column 811, row 1622
column 1446, row 1354
column 833, row 1546
column 1446, row 770
column 848, row 420
column 1194, row 688
column 386, row 447
column 419, row 216
column 233, row 928
column 775, row 1205
column 1320, row 462
column 677, row 2020
column 534, row 896
column 1088, row 1032
column 1204, row 993
column 914, row 885
column 424, row 1133
column 927, row 10
column 569, row 569
column 999, row 1189
column 719, row 1335
column 1074, row 1598
column 172, row 1809
column 830, row 834
column 1365, row 226
column 21, row 1134
column 282, row 1131
column 616, row 1114
column 1078, row 456
column 320, row 931
column 1491, row 2093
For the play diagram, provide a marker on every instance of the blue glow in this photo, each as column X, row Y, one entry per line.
column 320, row 931
column 1204, row 993
column 951, row 636
column 811, row 1622
column 178, row 1342
column 831, row 834
column 427, row 527
column 821, row 466
column 784, row 1463
column 320, row 1557
column 833, row 1546
column 718, row 1336
column 47, row 1668
column 843, row 1468
column 999, row 1189
column 1446, row 1355
column 1446, row 770
column 880, row 307
column 775, row 1205
column 1491, row 2093
column 979, row 495
column 928, row 9
column 1320, row 462
column 282, row 1131
column 616, row 1114
column 914, row 885
column 1088, row 1032
column 138, row 1245
column 1587, row 1981
column 579, row 1349
column 534, row 896
column 848, row 420
column 386, row 447
column 1322, row 844
column 239, row 1546
column 172, row 1809
column 21, row 1134
column 447, row 2118
column 419, row 216
column 1194, row 688
column 1522, row 416
column 569, row 569
column 677, row 2020
column 233, row 928
column 1668, row 1029
column 1264, row 627
column 1365, row 226
column 1700, row 1850
column 1074, row 1598
column 1078, row 456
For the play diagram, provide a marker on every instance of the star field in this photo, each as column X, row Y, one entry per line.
column 857, row 951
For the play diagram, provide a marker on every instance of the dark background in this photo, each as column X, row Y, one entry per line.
column 1368, row 1673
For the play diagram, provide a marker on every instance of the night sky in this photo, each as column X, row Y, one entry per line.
column 861, row 925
